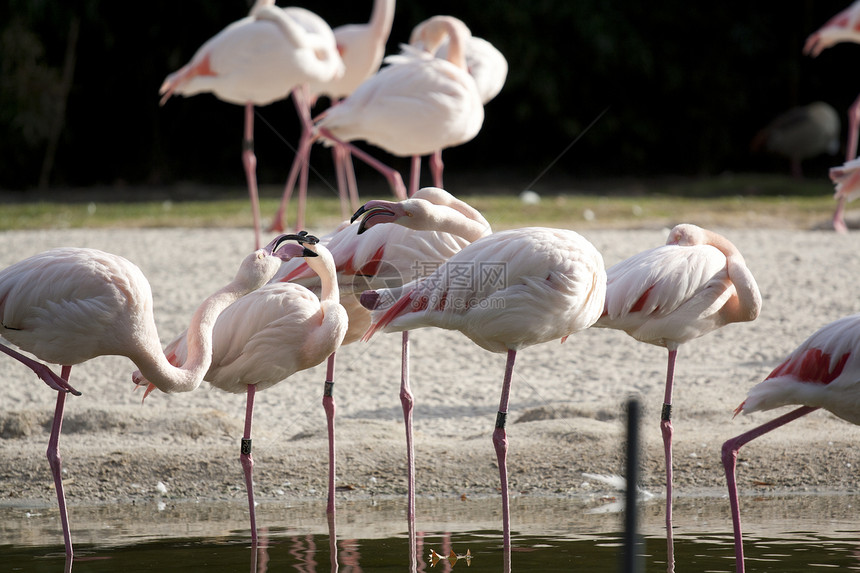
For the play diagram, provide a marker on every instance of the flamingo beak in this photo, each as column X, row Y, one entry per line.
column 370, row 214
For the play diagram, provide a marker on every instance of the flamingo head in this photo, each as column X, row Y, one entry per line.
column 686, row 234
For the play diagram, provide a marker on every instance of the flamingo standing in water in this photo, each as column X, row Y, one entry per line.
column 361, row 47
column 256, row 61
column 414, row 105
column 695, row 283
column 269, row 335
column 485, row 63
column 843, row 27
column 505, row 291
column 823, row 372
column 426, row 230
column 68, row 305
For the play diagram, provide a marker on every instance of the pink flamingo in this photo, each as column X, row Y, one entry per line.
column 843, row 27
column 666, row 296
column 256, row 61
column 505, row 291
column 414, row 105
column 485, row 63
column 361, row 47
column 68, row 305
column 269, row 335
column 427, row 230
column 820, row 373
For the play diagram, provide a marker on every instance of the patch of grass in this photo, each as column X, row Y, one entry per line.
column 738, row 201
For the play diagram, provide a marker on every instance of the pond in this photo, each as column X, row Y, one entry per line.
column 814, row 531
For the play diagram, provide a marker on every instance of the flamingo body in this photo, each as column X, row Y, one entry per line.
column 823, row 372
column 414, row 105
column 268, row 335
column 259, row 59
column 667, row 295
column 69, row 305
column 550, row 284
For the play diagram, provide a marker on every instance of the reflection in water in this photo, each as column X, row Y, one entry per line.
column 788, row 534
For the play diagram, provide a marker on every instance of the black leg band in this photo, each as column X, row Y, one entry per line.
column 666, row 415
column 247, row 145
column 329, row 389
column 246, row 446
column 501, row 419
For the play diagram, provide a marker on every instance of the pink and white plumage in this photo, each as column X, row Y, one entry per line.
column 547, row 286
column 269, row 335
column 672, row 294
column 257, row 60
column 505, row 291
column 69, row 305
column 427, row 230
column 414, row 105
column 822, row 372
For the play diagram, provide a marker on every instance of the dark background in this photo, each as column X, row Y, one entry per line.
column 686, row 85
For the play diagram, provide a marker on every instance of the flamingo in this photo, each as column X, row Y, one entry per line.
column 820, row 373
column 801, row 133
column 361, row 48
column 258, row 60
column 68, row 305
column 505, row 292
column 847, row 180
column 696, row 283
column 426, row 230
column 414, row 105
column 266, row 337
column 485, row 63
column 843, row 27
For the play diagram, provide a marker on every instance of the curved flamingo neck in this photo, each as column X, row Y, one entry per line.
column 746, row 304
column 457, row 33
column 381, row 19
column 153, row 364
column 323, row 265
column 448, row 219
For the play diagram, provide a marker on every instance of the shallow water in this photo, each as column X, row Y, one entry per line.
column 786, row 534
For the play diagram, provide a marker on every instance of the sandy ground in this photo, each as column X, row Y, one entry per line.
column 567, row 399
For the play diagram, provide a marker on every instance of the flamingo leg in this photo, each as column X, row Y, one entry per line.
column 393, row 177
column 352, row 184
column 407, row 400
column 667, row 431
column 329, row 407
column 44, row 373
column 436, row 168
column 340, row 172
column 500, row 441
column 853, row 125
column 839, row 216
column 730, row 459
column 249, row 161
column 415, row 175
column 248, row 462
column 56, row 463
column 299, row 168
